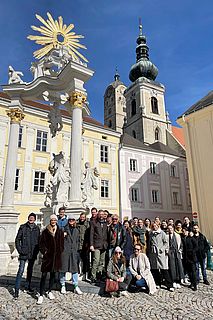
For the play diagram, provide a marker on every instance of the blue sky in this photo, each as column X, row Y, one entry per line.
column 179, row 35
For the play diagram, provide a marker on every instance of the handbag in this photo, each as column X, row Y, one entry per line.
column 111, row 285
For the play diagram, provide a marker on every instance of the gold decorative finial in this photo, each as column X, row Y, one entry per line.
column 56, row 34
column 15, row 115
column 77, row 99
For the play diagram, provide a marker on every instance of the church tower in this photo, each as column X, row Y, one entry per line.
column 147, row 119
column 115, row 104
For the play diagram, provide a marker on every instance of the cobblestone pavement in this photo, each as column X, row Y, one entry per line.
column 182, row 304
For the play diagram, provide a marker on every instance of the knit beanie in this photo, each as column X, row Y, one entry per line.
column 32, row 214
column 53, row 216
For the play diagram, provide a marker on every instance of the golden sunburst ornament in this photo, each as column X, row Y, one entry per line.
column 56, row 34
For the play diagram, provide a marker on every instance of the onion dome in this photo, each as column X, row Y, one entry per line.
column 143, row 66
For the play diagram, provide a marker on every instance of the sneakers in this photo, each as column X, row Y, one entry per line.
column 63, row 290
column 124, row 293
column 171, row 289
column 178, row 286
column 16, row 294
column 50, row 295
column 78, row 290
column 40, row 300
column 206, row 282
column 175, row 285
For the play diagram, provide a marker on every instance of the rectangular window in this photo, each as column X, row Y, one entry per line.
column 133, row 165
column 20, row 136
column 134, row 195
column 155, row 196
column 17, row 179
column 173, row 171
column 104, row 153
column 153, row 167
column 175, row 197
column 104, row 189
column 39, row 181
column 41, row 141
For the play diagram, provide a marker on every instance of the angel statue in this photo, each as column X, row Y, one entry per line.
column 89, row 183
column 14, row 76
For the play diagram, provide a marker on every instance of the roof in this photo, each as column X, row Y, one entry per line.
column 202, row 103
column 178, row 134
column 46, row 107
column 129, row 141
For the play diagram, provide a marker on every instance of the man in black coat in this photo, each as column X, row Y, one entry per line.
column 27, row 245
column 98, row 244
column 189, row 256
column 201, row 253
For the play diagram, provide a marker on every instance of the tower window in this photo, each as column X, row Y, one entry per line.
column 133, row 107
column 157, row 134
column 154, row 104
column 109, row 111
column 110, row 124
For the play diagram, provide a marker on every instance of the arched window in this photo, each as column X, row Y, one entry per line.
column 110, row 124
column 154, row 104
column 109, row 111
column 157, row 134
column 133, row 107
column 134, row 134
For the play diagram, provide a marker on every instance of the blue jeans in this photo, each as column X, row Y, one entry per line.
column 62, row 276
column 202, row 264
column 141, row 283
column 21, row 271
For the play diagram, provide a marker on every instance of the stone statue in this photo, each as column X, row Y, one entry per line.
column 14, row 76
column 89, row 183
column 48, row 198
column 58, row 190
column 55, row 120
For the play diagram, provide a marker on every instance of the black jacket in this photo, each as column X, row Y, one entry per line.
column 27, row 241
column 99, row 235
column 117, row 236
column 189, row 250
column 202, row 246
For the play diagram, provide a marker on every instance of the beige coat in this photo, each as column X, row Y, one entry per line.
column 142, row 264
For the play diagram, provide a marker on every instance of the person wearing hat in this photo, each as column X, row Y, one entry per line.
column 116, row 270
column 27, row 245
column 70, row 256
column 51, row 246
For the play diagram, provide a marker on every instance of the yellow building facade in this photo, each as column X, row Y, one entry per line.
column 36, row 146
column 197, row 123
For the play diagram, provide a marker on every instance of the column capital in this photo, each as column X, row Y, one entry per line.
column 77, row 99
column 15, row 115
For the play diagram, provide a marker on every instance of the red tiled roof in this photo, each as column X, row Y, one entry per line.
column 46, row 107
column 178, row 134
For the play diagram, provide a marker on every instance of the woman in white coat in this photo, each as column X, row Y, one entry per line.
column 139, row 267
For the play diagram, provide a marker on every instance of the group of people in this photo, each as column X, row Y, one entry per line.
column 130, row 256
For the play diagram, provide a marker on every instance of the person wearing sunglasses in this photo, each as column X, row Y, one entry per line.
column 116, row 270
column 117, row 235
column 139, row 267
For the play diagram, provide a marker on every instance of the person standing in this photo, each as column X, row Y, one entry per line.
column 117, row 235
column 175, row 257
column 62, row 218
column 69, row 256
column 98, row 245
column 83, row 226
column 139, row 267
column 189, row 256
column 139, row 234
column 27, row 245
column 201, row 253
column 158, row 248
column 51, row 246
column 128, row 246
